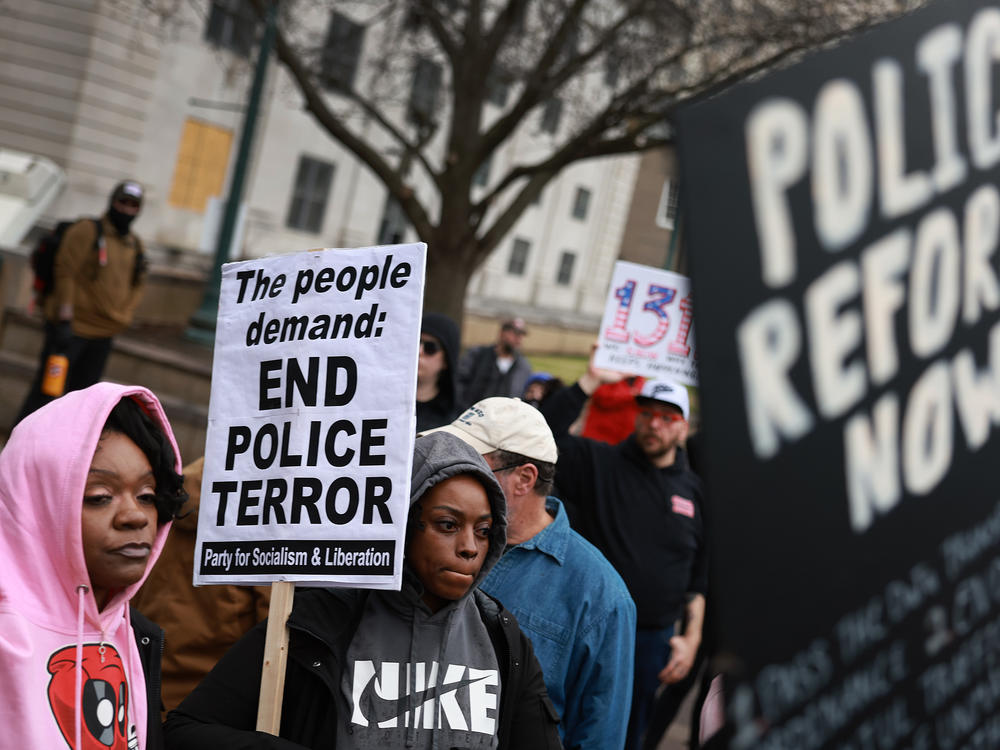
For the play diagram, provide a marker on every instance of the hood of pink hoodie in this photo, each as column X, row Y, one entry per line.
column 43, row 472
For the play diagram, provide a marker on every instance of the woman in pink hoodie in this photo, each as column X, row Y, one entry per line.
column 88, row 487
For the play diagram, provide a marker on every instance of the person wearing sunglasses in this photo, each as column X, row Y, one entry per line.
column 437, row 392
column 98, row 276
column 641, row 505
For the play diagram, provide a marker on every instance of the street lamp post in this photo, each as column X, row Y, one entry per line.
column 202, row 324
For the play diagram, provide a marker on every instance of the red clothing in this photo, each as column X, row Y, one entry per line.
column 612, row 410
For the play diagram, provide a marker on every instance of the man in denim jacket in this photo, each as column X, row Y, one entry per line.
column 567, row 597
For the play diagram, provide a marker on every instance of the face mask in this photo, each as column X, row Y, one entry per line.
column 120, row 221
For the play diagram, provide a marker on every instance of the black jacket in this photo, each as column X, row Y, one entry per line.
column 321, row 626
column 440, row 410
column 479, row 377
column 149, row 640
column 626, row 507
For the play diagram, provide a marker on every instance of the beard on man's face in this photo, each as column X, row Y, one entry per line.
column 654, row 444
column 655, row 451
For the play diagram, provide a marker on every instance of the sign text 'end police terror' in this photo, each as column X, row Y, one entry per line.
column 937, row 269
column 339, row 443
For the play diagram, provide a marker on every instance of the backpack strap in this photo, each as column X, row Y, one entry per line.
column 98, row 237
column 99, row 226
column 141, row 266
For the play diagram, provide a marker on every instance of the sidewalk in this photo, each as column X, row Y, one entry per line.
column 676, row 737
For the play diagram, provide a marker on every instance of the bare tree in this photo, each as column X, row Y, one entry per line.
column 616, row 68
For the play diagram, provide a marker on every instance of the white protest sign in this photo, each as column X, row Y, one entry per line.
column 312, row 419
column 647, row 325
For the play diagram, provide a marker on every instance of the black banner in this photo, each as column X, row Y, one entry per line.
column 300, row 556
column 843, row 220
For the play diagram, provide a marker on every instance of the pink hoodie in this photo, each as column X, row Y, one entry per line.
column 50, row 628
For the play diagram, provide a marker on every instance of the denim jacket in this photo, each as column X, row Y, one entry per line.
column 581, row 621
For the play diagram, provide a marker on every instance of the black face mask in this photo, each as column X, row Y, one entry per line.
column 119, row 220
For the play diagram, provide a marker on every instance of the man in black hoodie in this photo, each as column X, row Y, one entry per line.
column 640, row 504
column 437, row 394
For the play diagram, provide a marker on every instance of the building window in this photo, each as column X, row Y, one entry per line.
column 565, row 273
column 312, row 188
column 666, row 212
column 612, row 68
column 551, row 114
column 392, row 228
column 570, row 45
column 482, row 175
column 231, row 25
column 518, row 257
column 341, row 52
column 200, row 171
column 497, row 88
column 424, row 94
column 581, row 203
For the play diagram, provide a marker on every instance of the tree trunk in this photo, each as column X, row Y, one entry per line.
column 448, row 272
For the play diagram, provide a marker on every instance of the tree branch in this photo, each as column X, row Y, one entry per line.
column 438, row 30
column 317, row 106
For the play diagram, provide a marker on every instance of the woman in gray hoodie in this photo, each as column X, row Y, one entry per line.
column 438, row 664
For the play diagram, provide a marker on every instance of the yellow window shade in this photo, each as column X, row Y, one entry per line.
column 201, row 165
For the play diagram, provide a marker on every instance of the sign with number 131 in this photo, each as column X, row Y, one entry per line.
column 647, row 326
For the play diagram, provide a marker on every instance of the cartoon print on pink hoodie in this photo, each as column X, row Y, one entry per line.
column 70, row 675
column 104, row 700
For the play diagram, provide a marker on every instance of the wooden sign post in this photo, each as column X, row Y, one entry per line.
column 272, row 679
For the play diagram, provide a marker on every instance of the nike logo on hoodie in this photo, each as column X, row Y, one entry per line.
column 430, row 705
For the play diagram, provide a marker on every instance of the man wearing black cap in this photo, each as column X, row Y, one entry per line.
column 98, row 276
column 640, row 504
column 496, row 369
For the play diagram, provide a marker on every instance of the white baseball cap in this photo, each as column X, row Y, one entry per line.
column 667, row 392
column 504, row 424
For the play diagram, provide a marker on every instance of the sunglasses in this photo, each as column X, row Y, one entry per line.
column 126, row 200
column 430, row 348
column 663, row 414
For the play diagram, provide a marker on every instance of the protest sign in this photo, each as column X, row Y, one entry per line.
column 311, row 419
column 646, row 328
column 842, row 217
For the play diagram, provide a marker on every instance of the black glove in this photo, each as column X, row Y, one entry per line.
column 62, row 335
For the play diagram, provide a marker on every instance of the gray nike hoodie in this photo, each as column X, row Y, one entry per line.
column 421, row 679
